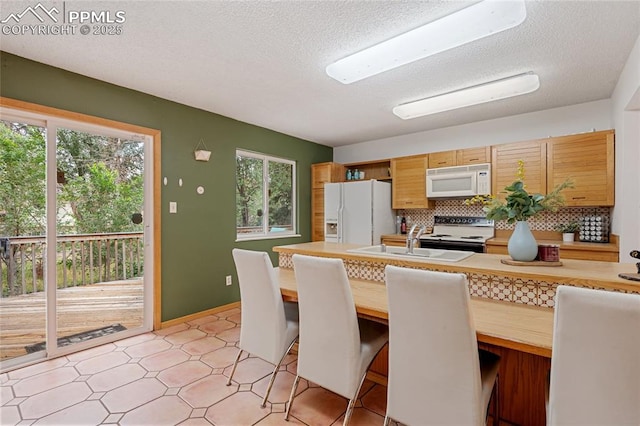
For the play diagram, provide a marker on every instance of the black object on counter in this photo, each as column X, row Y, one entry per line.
column 403, row 225
column 633, row 277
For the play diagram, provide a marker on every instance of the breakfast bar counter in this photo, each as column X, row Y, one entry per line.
column 583, row 273
column 520, row 327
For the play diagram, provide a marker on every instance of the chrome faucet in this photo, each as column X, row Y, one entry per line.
column 411, row 239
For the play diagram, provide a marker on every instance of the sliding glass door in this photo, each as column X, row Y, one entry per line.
column 22, row 229
column 100, row 224
column 75, row 233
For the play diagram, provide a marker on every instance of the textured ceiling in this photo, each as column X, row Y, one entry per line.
column 263, row 62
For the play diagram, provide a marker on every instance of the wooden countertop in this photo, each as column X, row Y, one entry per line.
column 514, row 326
column 575, row 245
column 595, row 274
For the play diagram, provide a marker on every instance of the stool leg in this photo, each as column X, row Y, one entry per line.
column 352, row 402
column 233, row 369
column 293, row 394
column 273, row 376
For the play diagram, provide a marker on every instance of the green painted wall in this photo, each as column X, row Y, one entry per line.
column 196, row 242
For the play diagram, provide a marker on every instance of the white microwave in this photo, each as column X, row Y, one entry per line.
column 459, row 181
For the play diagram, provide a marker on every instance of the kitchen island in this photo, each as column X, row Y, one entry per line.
column 517, row 324
column 488, row 276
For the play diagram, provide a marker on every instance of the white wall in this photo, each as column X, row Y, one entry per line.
column 552, row 122
column 626, row 119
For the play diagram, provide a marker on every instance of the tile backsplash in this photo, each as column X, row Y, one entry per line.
column 545, row 221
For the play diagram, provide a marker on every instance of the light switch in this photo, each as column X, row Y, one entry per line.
column 173, row 207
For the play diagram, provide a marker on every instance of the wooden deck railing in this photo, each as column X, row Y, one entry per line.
column 80, row 259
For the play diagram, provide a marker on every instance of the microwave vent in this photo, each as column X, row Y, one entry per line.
column 479, row 167
column 458, row 169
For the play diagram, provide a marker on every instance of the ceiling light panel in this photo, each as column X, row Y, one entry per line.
column 472, row 23
column 500, row 89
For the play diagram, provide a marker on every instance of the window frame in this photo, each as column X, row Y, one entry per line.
column 265, row 234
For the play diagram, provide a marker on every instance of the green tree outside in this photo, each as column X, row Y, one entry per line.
column 250, row 193
column 22, row 180
column 100, row 186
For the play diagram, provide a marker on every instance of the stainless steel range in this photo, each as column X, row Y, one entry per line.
column 459, row 233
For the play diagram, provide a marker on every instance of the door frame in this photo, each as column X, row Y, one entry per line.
column 152, row 138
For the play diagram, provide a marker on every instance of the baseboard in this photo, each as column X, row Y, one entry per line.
column 198, row 315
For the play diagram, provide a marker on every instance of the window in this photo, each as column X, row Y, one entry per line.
column 265, row 196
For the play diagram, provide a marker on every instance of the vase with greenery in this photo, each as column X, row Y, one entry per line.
column 517, row 207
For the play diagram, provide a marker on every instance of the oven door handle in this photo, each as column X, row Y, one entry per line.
column 452, row 245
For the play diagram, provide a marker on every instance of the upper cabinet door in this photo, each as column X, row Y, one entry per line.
column 505, row 166
column 588, row 160
column 409, row 190
column 460, row 157
column 322, row 173
column 442, row 159
column 468, row 156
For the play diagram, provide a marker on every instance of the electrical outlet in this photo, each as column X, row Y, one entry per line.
column 229, row 281
column 173, row 207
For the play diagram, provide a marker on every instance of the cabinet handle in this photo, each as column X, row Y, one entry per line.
column 578, row 198
column 474, row 159
column 442, row 162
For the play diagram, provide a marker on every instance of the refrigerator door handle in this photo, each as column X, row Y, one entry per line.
column 341, row 215
column 340, row 221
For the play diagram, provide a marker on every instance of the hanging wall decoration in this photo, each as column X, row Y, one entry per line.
column 201, row 152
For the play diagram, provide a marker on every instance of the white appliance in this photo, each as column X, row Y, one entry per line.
column 358, row 212
column 459, row 181
column 465, row 233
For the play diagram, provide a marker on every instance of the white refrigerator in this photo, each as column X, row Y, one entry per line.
column 358, row 212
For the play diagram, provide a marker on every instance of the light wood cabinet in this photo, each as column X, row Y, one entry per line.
column 442, row 159
column 317, row 214
column 586, row 251
column 394, row 240
column 326, row 172
column 469, row 156
column 321, row 173
column 588, row 160
column 409, row 182
column 504, row 160
column 460, row 157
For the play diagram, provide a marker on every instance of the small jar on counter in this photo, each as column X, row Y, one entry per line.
column 549, row 252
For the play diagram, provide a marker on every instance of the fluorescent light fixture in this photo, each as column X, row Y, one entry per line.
column 500, row 89
column 472, row 23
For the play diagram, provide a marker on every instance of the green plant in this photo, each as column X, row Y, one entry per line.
column 568, row 228
column 519, row 205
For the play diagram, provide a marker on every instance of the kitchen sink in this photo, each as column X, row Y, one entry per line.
column 418, row 253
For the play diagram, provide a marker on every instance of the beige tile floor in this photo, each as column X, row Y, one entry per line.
column 173, row 376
